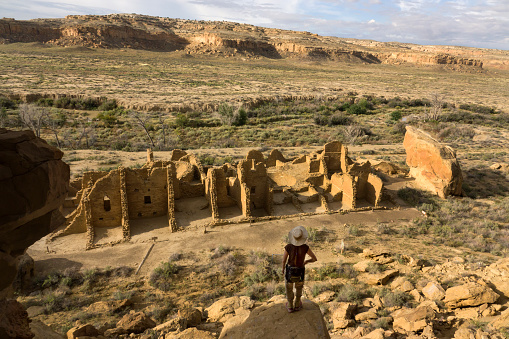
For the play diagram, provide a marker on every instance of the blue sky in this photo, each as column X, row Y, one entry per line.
column 472, row 23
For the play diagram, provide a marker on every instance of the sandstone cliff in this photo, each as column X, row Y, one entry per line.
column 33, row 186
column 225, row 39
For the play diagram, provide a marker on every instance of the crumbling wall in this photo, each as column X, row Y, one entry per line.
column 105, row 204
column 275, row 158
column 91, row 177
column 146, row 192
column 349, row 192
column 269, row 201
column 336, row 190
column 255, row 155
column 332, row 155
column 212, row 194
column 374, row 189
column 126, row 226
column 223, row 199
column 346, row 162
column 361, row 173
column 172, row 221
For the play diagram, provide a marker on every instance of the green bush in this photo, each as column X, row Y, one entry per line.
column 357, row 109
column 7, row 103
column 396, row 115
column 161, row 277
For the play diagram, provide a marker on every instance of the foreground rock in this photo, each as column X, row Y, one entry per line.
column 272, row 320
column 433, row 165
column 470, row 294
column 33, row 186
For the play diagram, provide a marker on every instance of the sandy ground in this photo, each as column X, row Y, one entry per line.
column 265, row 236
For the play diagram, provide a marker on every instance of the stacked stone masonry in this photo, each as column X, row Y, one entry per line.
column 257, row 186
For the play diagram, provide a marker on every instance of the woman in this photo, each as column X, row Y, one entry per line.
column 293, row 266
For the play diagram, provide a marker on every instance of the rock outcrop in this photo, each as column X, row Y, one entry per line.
column 33, row 186
column 212, row 38
column 271, row 320
column 433, row 165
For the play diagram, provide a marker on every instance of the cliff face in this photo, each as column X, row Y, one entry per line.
column 216, row 38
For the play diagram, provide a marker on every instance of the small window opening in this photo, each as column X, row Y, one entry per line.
column 136, row 190
column 139, row 214
column 101, row 218
column 147, row 199
column 107, row 203
column 253, row 190
column 154, row 213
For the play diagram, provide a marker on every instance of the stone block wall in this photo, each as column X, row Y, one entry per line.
column 349, row 192
column 146, row 192
column 374, row 188
column 105, row 204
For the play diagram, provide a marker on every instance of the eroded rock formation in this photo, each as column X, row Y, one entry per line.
column 33, row 186
column 433, row 165
column 213, row 38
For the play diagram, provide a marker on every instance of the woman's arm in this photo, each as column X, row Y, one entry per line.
column 312, row 255
column 285, row 257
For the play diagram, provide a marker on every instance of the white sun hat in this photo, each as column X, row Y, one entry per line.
column 298, row 236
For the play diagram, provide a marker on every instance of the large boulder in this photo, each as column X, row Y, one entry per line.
column 272, row 320
column 342, row 316
column 413, row 320
column 14, row 321
column 33, row 185
column 135, row 322
column 223, row 309
column 470, row 294
column 433, row 165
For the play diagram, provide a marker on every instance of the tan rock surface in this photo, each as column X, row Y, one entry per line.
column 412, row 320
column 273, row 321
column 33, row 185
column 433, row 165
column 433, row 291
column 343, row 314
column 469, row 294
column 224, row 308
column 190, row 333
column 135, row 322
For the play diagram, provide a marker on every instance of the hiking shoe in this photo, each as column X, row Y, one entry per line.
column 290, row 310
column 298, row 308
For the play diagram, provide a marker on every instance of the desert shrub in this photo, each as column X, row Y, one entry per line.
column 108, row 118
column 454, row 133
column 122, row 295
column 383, row 228
column 45, row 102
column 108, row 105
column 414, row 197
column 396, row 115
column 357, row 109
column 161, row 310
column 477, row 108
column 255, row 291
column 229, row 264
column 395, row 298
column 354, row 230
column 351, row 293
column 161, row 277
column 7, row 103
column 339, row 119
column 374, row 268
column 219, row 251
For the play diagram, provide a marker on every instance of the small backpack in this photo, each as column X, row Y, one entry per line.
column 294, row 274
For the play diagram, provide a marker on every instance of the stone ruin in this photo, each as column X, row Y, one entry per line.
column 257, row 188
